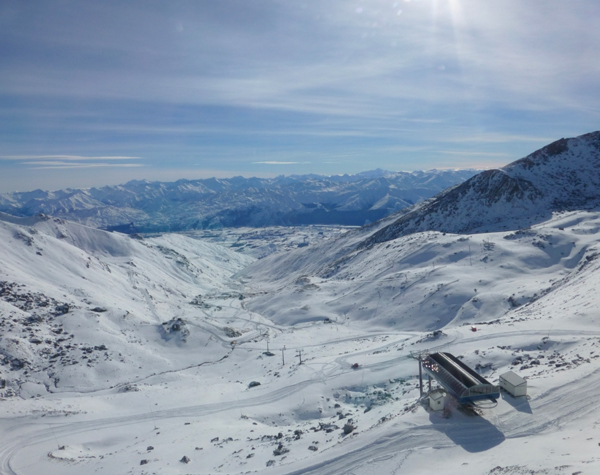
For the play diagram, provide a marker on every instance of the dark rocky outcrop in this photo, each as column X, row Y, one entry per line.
column 562, row 176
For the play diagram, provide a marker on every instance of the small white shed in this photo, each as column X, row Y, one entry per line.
column 436, row 400
column 513, row 383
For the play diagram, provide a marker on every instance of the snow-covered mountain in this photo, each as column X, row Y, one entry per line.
column 142, row 206
column 562, row 176
column 150, row 357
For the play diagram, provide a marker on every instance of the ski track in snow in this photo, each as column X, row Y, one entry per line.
column 567, row 402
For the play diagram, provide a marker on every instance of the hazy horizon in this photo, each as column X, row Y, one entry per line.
column 225, row 176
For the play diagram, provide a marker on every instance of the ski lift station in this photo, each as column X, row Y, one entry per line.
column 513, row 384
column 462, row 382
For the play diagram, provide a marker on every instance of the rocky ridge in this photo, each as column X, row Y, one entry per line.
column 562, row 176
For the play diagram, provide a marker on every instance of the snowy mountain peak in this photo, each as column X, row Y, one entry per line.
column 561, row 176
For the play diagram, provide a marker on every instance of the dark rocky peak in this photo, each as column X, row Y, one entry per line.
column 562, row 176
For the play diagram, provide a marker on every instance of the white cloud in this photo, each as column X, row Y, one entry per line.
column 46, row 162
column 65, row 165
column 495, row 138
column 515, row 53
column 64, row 157
column 274, row 81
column 474, row 154
column 272, row 162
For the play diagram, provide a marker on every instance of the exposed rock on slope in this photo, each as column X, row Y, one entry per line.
column 562, row 176
column 81, row 308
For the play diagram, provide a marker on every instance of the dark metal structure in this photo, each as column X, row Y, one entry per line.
column 457, row 378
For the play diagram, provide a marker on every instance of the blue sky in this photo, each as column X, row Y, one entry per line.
column 95, row 93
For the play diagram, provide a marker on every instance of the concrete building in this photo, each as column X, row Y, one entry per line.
column 436, row 400
column 513, row 383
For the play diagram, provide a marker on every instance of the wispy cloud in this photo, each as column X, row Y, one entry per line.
column 466, row 153
column 84, row 165
column 496, row 138
column 77, row 158
column 273, row 162
column 58, row 164
column 373, row 62
column 50, row 162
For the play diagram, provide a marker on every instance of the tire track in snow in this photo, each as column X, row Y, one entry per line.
column 566, row 403
column 30, row 436
column 144, row 293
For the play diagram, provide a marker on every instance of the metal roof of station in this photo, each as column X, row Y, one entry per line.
column 458, row 379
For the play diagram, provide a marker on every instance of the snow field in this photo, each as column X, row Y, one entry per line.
column 531, row 295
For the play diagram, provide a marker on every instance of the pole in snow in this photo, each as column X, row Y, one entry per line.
column 420, row 377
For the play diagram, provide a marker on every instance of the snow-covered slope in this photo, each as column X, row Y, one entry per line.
column 424, row 281
column 142, row 206
column 81, row 307
column 392, row 260
column 562, row 176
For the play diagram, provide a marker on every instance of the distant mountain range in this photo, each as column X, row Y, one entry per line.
column 143, row 206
